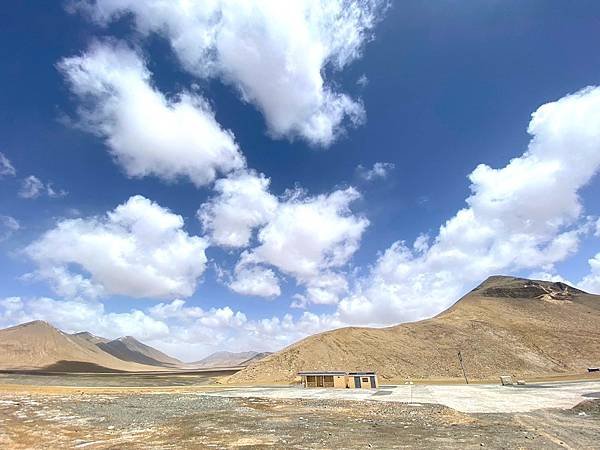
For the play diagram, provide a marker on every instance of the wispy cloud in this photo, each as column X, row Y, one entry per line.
column 32, row 187
column 379, row 170
column 6, row 167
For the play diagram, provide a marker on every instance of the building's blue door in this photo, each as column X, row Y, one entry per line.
column 357, row 382
column 373, row 382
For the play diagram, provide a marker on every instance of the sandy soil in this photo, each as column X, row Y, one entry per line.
column 178, row 420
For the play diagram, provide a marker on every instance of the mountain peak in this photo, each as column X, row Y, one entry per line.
column 37, row 324
column 514, row 287
column 83, row 334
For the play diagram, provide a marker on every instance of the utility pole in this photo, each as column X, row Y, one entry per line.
column 462, row 367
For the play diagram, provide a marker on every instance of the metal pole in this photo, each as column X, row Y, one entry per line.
column 462, row 367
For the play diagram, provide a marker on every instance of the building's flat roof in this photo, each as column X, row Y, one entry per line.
column 321, row 372
column 325, row 372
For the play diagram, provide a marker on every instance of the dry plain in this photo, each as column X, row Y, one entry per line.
column 158, row 411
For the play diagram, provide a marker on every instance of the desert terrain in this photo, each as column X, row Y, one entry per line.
column 506, row 326
column 61, row 390
column 196, row 417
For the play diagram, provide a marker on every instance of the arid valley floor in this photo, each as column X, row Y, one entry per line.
column 189, row 412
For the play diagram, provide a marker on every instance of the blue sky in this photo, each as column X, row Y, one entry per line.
column 289, row 112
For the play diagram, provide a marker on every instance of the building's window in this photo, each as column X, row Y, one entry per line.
column 365, row 379
column 311, row 381
column 328, row 380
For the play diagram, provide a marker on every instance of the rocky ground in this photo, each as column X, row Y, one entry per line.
column 193, row 420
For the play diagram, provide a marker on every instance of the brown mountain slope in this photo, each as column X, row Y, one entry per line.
column 505, row 326
column 38, row 345
column 258, row 357
column 226, row 359
column 130, row 349
column 90, row 337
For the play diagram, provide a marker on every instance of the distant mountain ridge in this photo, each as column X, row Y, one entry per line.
column 39, row 345
column 229, row 359
column 90, row 337
column 130, row 349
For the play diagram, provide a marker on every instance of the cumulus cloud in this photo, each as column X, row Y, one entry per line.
column 526, row 215
column 33, row 187
column 242, row 203
column 6, row 167
column 591, row 282
column 308, row 238
column 310, row 234
column 195, row 332
column 379, row 170
column 139, row 249
column 73, row 316
column 251, row 278
column 547, row 276
column 146, row 132
column 274, row 53
column 185, row 331
column 8, row 225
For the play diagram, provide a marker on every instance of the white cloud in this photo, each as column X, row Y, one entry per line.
column 379, row 170
column 8, row 225
column 139, row 249
column 308, row 238
column 186, row 332
column 591, row 282
column 176, row 310
column 311, row 234
column 6, row 167
column 302, row 236
column 53, row 193
column 33, row 187
column 275, row 53
column 362, row 81
column 226, row 329
column 253, row 279
column 73, row 316
column 547, row 276
column 146, row 132
column 242, row 203
column 526, row 215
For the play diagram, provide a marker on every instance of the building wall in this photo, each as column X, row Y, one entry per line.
column 339, row 381
column 363, row 384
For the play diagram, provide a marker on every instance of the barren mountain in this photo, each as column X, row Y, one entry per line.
column 90, row 337
column 130, row 349
column 38, row 345
column 228, row 359
column 505, row 326
column 258, row 357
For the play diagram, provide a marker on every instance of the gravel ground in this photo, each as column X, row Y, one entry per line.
column 473, row 398
column 184, row 420
column 116, row 380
